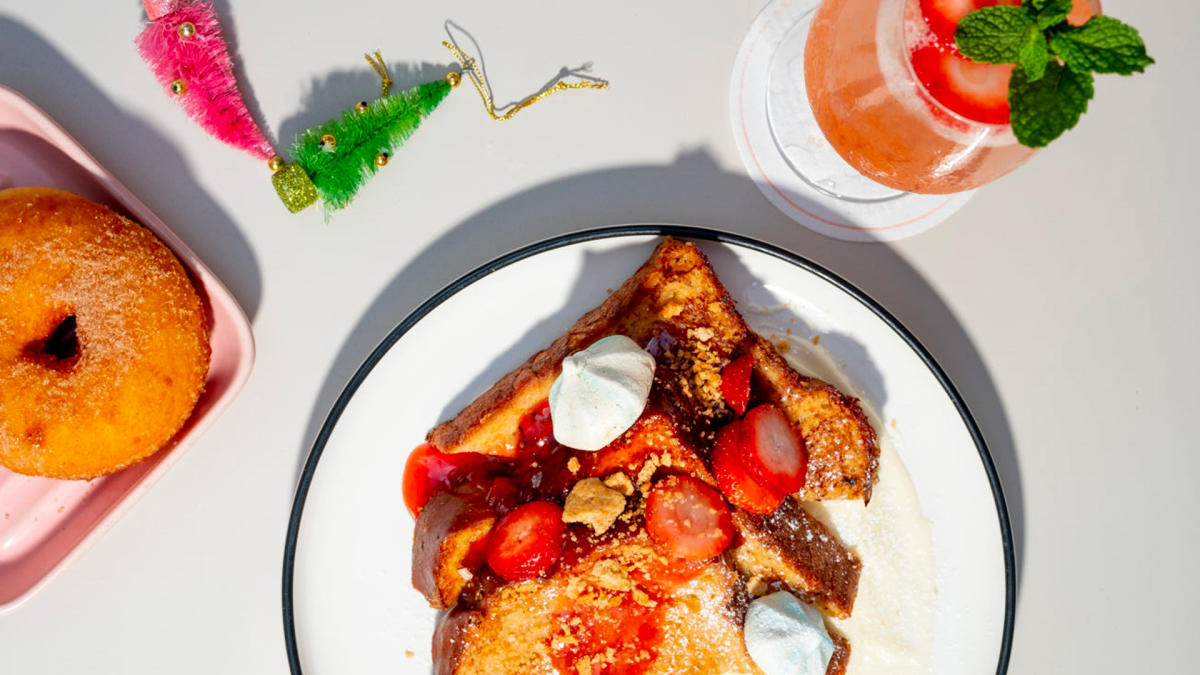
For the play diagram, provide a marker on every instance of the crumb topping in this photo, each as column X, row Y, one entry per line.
column 693, row 373
column 647, row 472
column 611, row 575
column 593, row 503
column 619, row 482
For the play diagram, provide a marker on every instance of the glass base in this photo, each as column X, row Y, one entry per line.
column 796, row 133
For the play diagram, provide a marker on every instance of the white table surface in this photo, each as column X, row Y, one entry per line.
column 1061, row 300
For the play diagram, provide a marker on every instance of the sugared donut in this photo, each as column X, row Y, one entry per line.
column 103, row 339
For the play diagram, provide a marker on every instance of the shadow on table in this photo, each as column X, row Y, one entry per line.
column 149, row 164
column 692, row 189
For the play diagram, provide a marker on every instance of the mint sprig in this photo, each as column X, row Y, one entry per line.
column 1050, row 87
column 1102, row 45
column 1049, row 12
column 997, row 35
column 1042, row 109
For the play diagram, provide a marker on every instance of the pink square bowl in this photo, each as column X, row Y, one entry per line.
column 45, row 524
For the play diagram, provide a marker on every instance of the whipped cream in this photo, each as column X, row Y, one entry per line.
column 600, row 393
column 786, row 636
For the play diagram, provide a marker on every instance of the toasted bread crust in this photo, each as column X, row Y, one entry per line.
column 447, row 535
column 792, row 547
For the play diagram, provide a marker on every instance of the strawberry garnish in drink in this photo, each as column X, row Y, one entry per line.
column 527, row 542
column 735, row 383
column 735, row 482
column 942, row 16
column 773, row 451
column 688, row 519
column 977, row 91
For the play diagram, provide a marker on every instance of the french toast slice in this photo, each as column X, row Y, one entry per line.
column 614, row 594
column 676, row 296
column 616, row 603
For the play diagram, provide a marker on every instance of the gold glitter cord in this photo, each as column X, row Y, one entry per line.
column 376, row 61
column 472, row 69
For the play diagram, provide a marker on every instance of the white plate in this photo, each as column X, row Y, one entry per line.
column 349, row 606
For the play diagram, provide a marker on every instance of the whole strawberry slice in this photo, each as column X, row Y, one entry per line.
column 943, row 16
column 977, row 91
column 527, row 542
column 773, row 451
column 688, row 518
column 735, row 383
column 735, row 482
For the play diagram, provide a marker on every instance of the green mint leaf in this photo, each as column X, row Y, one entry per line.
column 1035, row 5
column 1102, row 45
column 994, row 34
column 1051, row 12
column 1043, row 109
column 1034, row 54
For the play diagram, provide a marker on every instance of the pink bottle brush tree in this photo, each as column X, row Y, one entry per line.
column 184, row 47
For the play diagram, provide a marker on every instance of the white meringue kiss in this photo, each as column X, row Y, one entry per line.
column 786, row 636
column 600, row 393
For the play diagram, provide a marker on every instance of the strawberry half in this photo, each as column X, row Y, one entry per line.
column 773, row 451
column 688, row 518
column 735, row 482
column 942, row 16
column 735, row 383
column 978, row 91
column 527, row 542
column 429, row 471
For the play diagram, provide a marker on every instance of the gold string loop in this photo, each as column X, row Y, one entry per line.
column 472, row 69
column 385, row 80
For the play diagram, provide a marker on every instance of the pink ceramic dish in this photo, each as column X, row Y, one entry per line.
column 47, row 523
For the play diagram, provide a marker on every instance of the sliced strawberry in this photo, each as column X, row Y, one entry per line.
column 978, row 91
column 735, row 482
column 527, row 542
column 429, row 471
column 773, row 451
column 943, row 16
column 688, row 518
column 735, row 383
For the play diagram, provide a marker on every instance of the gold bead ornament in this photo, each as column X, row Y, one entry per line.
column 275, row 164
column 362, row 106
column 328, row 143
column 178, row 87
column 382, row 159
column 187, row 29
column 453, row 78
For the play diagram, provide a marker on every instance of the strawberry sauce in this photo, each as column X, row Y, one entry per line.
column 538, row 472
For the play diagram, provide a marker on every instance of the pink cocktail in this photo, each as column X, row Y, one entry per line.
column 896, row 101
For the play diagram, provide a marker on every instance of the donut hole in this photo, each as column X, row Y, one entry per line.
column 59, row 350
